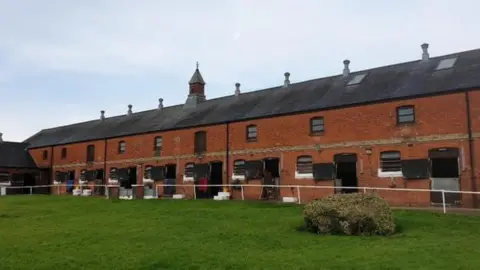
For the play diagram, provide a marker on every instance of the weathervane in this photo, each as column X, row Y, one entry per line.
column 197, row 64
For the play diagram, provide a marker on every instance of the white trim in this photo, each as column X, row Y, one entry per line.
column 238, row 177
column 389, row 174
column 112, row 181
column 6, row 183
column 145, row 180
column 303, row 175
column 188, row 179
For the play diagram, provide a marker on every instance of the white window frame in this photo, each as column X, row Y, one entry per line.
column 185, row 178
column 299, row 175
column 388, row 174
column 238, row 176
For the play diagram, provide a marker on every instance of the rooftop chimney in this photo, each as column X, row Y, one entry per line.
column 160, row 103
column 237, row 89
column 425, row 55
column 102, row 115
column 286, row 83
column 346, row 69
column 129, row 109
column 1, row 134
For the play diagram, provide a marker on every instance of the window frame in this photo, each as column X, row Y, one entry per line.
column 63, row 153
column 187, row 177
column 200, row 147
column 156, row 145
column 122, row 147
column 405, row 107
column 312, row 132
column 247, row 133
column 90, row 153
column 304, row 175
column 390, row 173
column 236, row 175
column 45, row 155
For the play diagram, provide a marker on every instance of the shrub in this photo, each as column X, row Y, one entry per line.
column 350, row 214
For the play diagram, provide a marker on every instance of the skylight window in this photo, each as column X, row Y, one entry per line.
column 357, row 79
column 446, row 63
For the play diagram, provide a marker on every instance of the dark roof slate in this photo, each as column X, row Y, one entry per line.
column 196, row 78
column 15, row 155
column 397, row 81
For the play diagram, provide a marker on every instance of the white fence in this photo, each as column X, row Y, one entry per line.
column 406, row 197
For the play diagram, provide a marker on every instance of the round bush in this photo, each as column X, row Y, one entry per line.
column 350, row 214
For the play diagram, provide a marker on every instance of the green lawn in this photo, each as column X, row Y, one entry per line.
column 48, row 232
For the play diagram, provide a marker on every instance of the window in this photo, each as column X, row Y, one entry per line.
column 188, row 175
column 45, row 155
column 64, row 153
column 158, row 143
column 239, row 169
column 390, row 164
column 405, row 115
column 90, row 153
column 200, row 142
column 304, row 167
column 317, row 125
column 446, row 63
column 251, row 133
column 121, row 147
column 357, row 79
column 4, row 177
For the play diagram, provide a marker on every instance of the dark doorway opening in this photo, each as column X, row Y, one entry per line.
column 132, row 177
column 28, row 181
column 170, row 180
column 99, row 181
column 216, row 177
column 271, row 179
column 445, row 175
column 346, row 172
column 70, row 181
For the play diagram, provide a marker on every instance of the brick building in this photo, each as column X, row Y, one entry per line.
column 409, row 125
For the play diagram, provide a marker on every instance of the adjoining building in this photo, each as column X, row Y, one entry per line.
column 408, row 125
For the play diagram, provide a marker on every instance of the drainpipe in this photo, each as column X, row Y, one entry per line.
column 227, row 151
column 51, row 166
column 471, row 151
column 105, row 162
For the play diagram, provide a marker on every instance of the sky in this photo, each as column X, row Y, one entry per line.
column 63, row 61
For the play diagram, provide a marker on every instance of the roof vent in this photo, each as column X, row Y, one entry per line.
column 446, row 63
column 286, row 83
column 102, row 115
column 346, row 69
column 1, row 139
column 129, row 109
column 425, row 54
column 160, row 103
column 357, row 79
column 237, row 89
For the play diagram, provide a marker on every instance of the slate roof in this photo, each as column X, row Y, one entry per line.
column 15, row 155
column 196, row 78
column 400, row 81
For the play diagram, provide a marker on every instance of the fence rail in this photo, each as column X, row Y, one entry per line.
column 298, row 193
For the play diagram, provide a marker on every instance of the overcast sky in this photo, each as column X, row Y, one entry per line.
column 62, row 61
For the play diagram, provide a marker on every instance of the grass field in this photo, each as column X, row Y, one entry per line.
column 91, row 233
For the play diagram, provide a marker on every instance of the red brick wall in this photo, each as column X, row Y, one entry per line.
column 357, row 127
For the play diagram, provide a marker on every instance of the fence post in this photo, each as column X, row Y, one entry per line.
column 194, row 191
column 31, row 190
column 58, row 189
column 298, row 194
column 364, row 190
column 243, row 196
column 443, row 202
